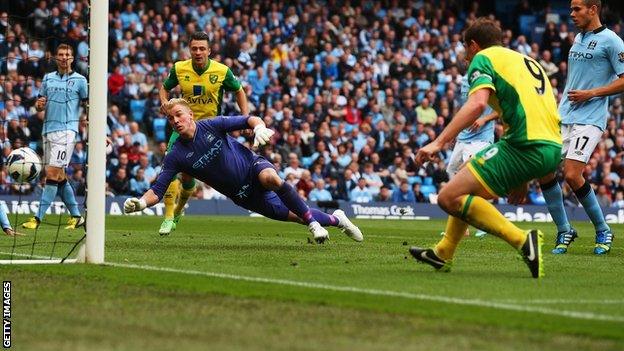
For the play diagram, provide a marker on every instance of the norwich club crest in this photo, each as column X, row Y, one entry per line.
column 213, row 78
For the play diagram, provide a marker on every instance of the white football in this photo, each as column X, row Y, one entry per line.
column 23, row 165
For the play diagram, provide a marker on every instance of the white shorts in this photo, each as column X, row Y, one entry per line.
column 579, row 141
column 463, row 152
column 58, row 148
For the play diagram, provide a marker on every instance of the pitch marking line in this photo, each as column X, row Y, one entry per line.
column 388, row 293
column 567, row 301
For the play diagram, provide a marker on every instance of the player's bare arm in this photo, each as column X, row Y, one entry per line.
column 615, row 87
column 241, row 100
column 40, row 103
column 480, row 122
column 163, row 95
column 474, row 107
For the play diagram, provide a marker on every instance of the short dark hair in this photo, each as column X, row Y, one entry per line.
column 199, row 36
column 484, row 32
column 590, row 3
column 65, row 47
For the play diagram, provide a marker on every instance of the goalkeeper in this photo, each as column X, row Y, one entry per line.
column 205, row 151
column 202, row 82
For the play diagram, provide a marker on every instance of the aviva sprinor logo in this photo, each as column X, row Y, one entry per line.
column 199, row 90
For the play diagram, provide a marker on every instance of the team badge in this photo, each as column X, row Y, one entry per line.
column 621, row 56
column 213, row 78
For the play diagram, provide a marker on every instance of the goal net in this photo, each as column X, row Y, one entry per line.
column 49, row 75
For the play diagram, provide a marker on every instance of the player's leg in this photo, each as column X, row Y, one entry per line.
column 51, row 151
column 493, row 172
column 583, row 141
column 554, row 201
column 469, row 151
column 271, row 206
column 455, row 161
column 186, row 191
column 573, row 171
column 270, row 180
column 551, row 189
column 170, row 197
column 64, row 189
column 465, row 200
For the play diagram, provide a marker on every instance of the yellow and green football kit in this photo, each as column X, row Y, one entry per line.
column 531, row 145
column 202, row 89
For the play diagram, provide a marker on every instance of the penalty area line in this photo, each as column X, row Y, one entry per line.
column 386, row 293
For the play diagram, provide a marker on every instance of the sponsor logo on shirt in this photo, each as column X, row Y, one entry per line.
column 198, row 90
column 209, row 156
column 577, row 55
column 200, row 100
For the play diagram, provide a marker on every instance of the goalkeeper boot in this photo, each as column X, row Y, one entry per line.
column 347, row 227
column 564, row 239
column 167, row 226
column 531, row 253
column 319, row 233
column 604, row 239
column 429, row 257
column 75, row 222
column 32, row 223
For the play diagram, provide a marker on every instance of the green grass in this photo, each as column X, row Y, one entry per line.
column 283, row 293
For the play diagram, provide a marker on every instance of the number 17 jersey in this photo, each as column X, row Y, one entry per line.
column 522, row 95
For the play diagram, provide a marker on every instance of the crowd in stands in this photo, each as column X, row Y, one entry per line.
column 352, row 89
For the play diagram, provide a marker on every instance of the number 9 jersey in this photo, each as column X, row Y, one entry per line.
column 523, row 96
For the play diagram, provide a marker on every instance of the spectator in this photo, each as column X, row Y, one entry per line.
column 119, row 183
column 385, row 195
column 138, row 184
column 361, row 193
column 403, row 194
column 319, row 193
column 425, row 114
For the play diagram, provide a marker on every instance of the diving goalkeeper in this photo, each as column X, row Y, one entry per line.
column 206, row 152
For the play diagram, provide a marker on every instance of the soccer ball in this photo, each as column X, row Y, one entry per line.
column 23, row 165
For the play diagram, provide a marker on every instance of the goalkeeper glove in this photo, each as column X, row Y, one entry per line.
column 262, row 135
column 133, row 205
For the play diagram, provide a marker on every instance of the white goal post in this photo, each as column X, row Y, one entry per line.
column 96, row 163
column 92, row 251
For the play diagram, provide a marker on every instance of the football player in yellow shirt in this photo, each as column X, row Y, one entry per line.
column 202, row 83
column 518, row 89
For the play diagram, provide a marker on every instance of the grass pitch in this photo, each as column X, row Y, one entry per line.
column 233, row 283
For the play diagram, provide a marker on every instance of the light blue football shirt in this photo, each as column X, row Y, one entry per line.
column 596, row 59
column 64, row 94
column 486, row 133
